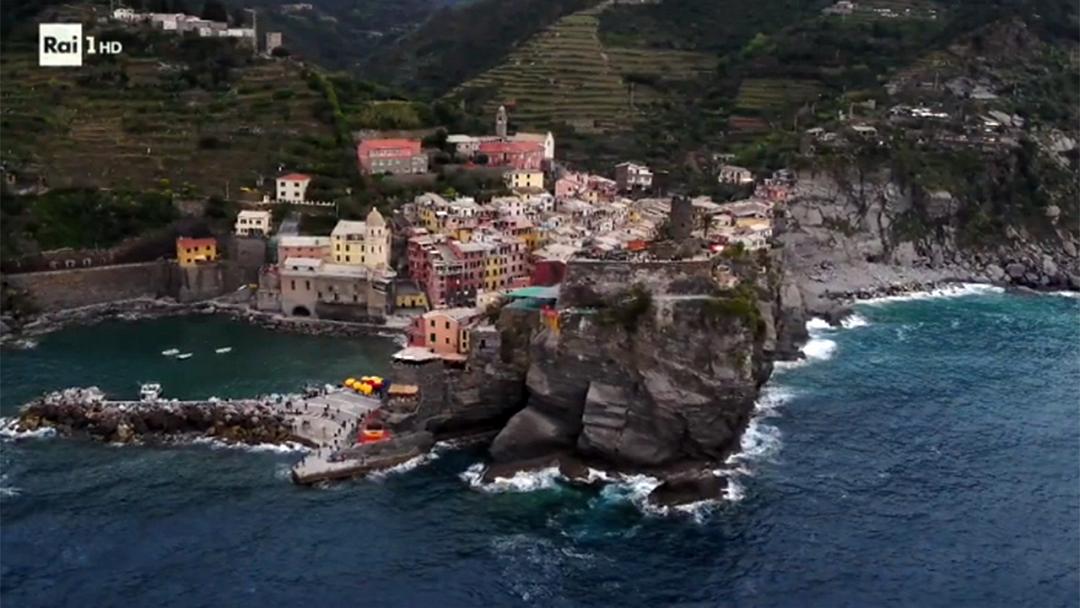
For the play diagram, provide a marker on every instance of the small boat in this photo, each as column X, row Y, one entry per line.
column 223, row 350
column 172, row 352
column 150, row 391
column 183, row 356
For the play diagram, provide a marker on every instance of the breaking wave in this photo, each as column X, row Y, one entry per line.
column 949, row 291
column 522, row 481
column 9, row 429
column 854, row 320
column 410, row 464
column 284, row 448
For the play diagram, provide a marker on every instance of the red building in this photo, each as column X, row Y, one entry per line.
column 515, row 154
column 394, row 156
column 548, row 272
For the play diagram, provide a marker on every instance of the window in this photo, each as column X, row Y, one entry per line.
column 448, row 340
column 307, row 285
column 447, row 325
column 292, row 285
column 433, row 322
column 432, row 340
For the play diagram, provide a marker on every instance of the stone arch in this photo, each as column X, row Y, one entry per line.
column 301, row 311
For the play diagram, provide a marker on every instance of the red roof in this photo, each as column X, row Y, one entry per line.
column 185, row 241
column 519, row 147
column 367, row 145
column 295, row 177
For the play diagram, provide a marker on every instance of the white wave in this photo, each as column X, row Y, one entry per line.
column 816, row 324
column 9, row 491
column 1066, row 294
column 406, row 466
column 24, row 344
column 949, row 291
column 819, row 348
column 636, row 489
column 854, row 320
column 283, row 448
column 9, row 429
column 522, row 481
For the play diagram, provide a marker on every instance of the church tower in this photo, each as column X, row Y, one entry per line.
column 377, row 241
column 500, row 122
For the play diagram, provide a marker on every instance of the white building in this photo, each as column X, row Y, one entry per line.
column 632, row 176
column 292, row 188
column 253, row 223
column 732, row 174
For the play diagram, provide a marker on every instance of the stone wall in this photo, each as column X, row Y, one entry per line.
column 591, row 282
column 62, row 289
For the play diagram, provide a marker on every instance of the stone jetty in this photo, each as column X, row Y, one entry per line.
column 326, row 420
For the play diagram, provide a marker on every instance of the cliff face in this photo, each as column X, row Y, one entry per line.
column 862, row 233
column 653, row 373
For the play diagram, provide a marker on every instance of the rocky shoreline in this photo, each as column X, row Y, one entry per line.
column 84, row 412
column 148, row 308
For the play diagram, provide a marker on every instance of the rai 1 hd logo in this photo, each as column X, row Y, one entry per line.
column 63, row 45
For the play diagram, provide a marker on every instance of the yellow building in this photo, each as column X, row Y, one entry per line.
column 190, row 252
column 364, row 243
column 408, row 295
column 525, row 179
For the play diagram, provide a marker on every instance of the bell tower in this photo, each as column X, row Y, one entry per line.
column 500, row 122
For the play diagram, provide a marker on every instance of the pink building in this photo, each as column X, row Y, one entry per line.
column 396, row 156
column 515, row 154
column 317, row 247
column 446, row 331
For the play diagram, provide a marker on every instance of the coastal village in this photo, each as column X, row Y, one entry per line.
column 440, row 263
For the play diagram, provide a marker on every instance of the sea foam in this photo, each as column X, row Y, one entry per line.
column 9, row 429
column 949, row 291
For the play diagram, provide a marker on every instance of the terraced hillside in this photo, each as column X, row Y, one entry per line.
column 566, row 76
column 131, row 123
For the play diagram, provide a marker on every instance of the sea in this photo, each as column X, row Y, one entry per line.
column 927, row 453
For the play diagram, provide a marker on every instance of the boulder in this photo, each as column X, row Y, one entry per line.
column 995, row 273
column 1015, row 270
column 532, row 433
column 1049, row 268
column 688, row 488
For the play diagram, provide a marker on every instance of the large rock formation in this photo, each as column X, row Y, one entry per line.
column 660, row 371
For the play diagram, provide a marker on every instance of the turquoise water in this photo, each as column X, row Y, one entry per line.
column 930, row 457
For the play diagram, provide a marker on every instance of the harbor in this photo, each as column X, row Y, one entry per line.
column 340, row 425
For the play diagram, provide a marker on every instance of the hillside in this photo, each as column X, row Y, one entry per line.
column 565, row 76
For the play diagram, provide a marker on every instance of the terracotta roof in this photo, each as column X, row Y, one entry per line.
column 295, row 177
column 185, row 241
column 388, row 144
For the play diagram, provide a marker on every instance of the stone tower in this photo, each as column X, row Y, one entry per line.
column 501, row 122
column 377, row 241
column 681, row 220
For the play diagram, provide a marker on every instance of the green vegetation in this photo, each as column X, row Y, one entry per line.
column 82, row 218
column 740, row 304
column 626, row 308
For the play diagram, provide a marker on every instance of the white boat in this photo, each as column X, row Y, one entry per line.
column 172, row 352
column 223, row 350
column 184, row 356
column 150, row 391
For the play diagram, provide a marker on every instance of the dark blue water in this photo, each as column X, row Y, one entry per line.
column 928, row 458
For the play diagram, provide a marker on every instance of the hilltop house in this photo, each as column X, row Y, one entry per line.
column 394, row 156
column 524, row 179
column 250, row 222
column 732, row 174
column 292, row 188
column 291, row 246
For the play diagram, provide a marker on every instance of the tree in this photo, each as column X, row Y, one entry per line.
column 280, row 51
column 214, row 10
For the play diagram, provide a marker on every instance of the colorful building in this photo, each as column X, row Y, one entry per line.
column 290, row 246
column 190, row 251
column 446, row 331
column 364, row 243
column 395, row 156
column 524, row 179
column 516, row 154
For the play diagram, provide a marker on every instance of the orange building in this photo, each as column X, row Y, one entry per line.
column 190, row 251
